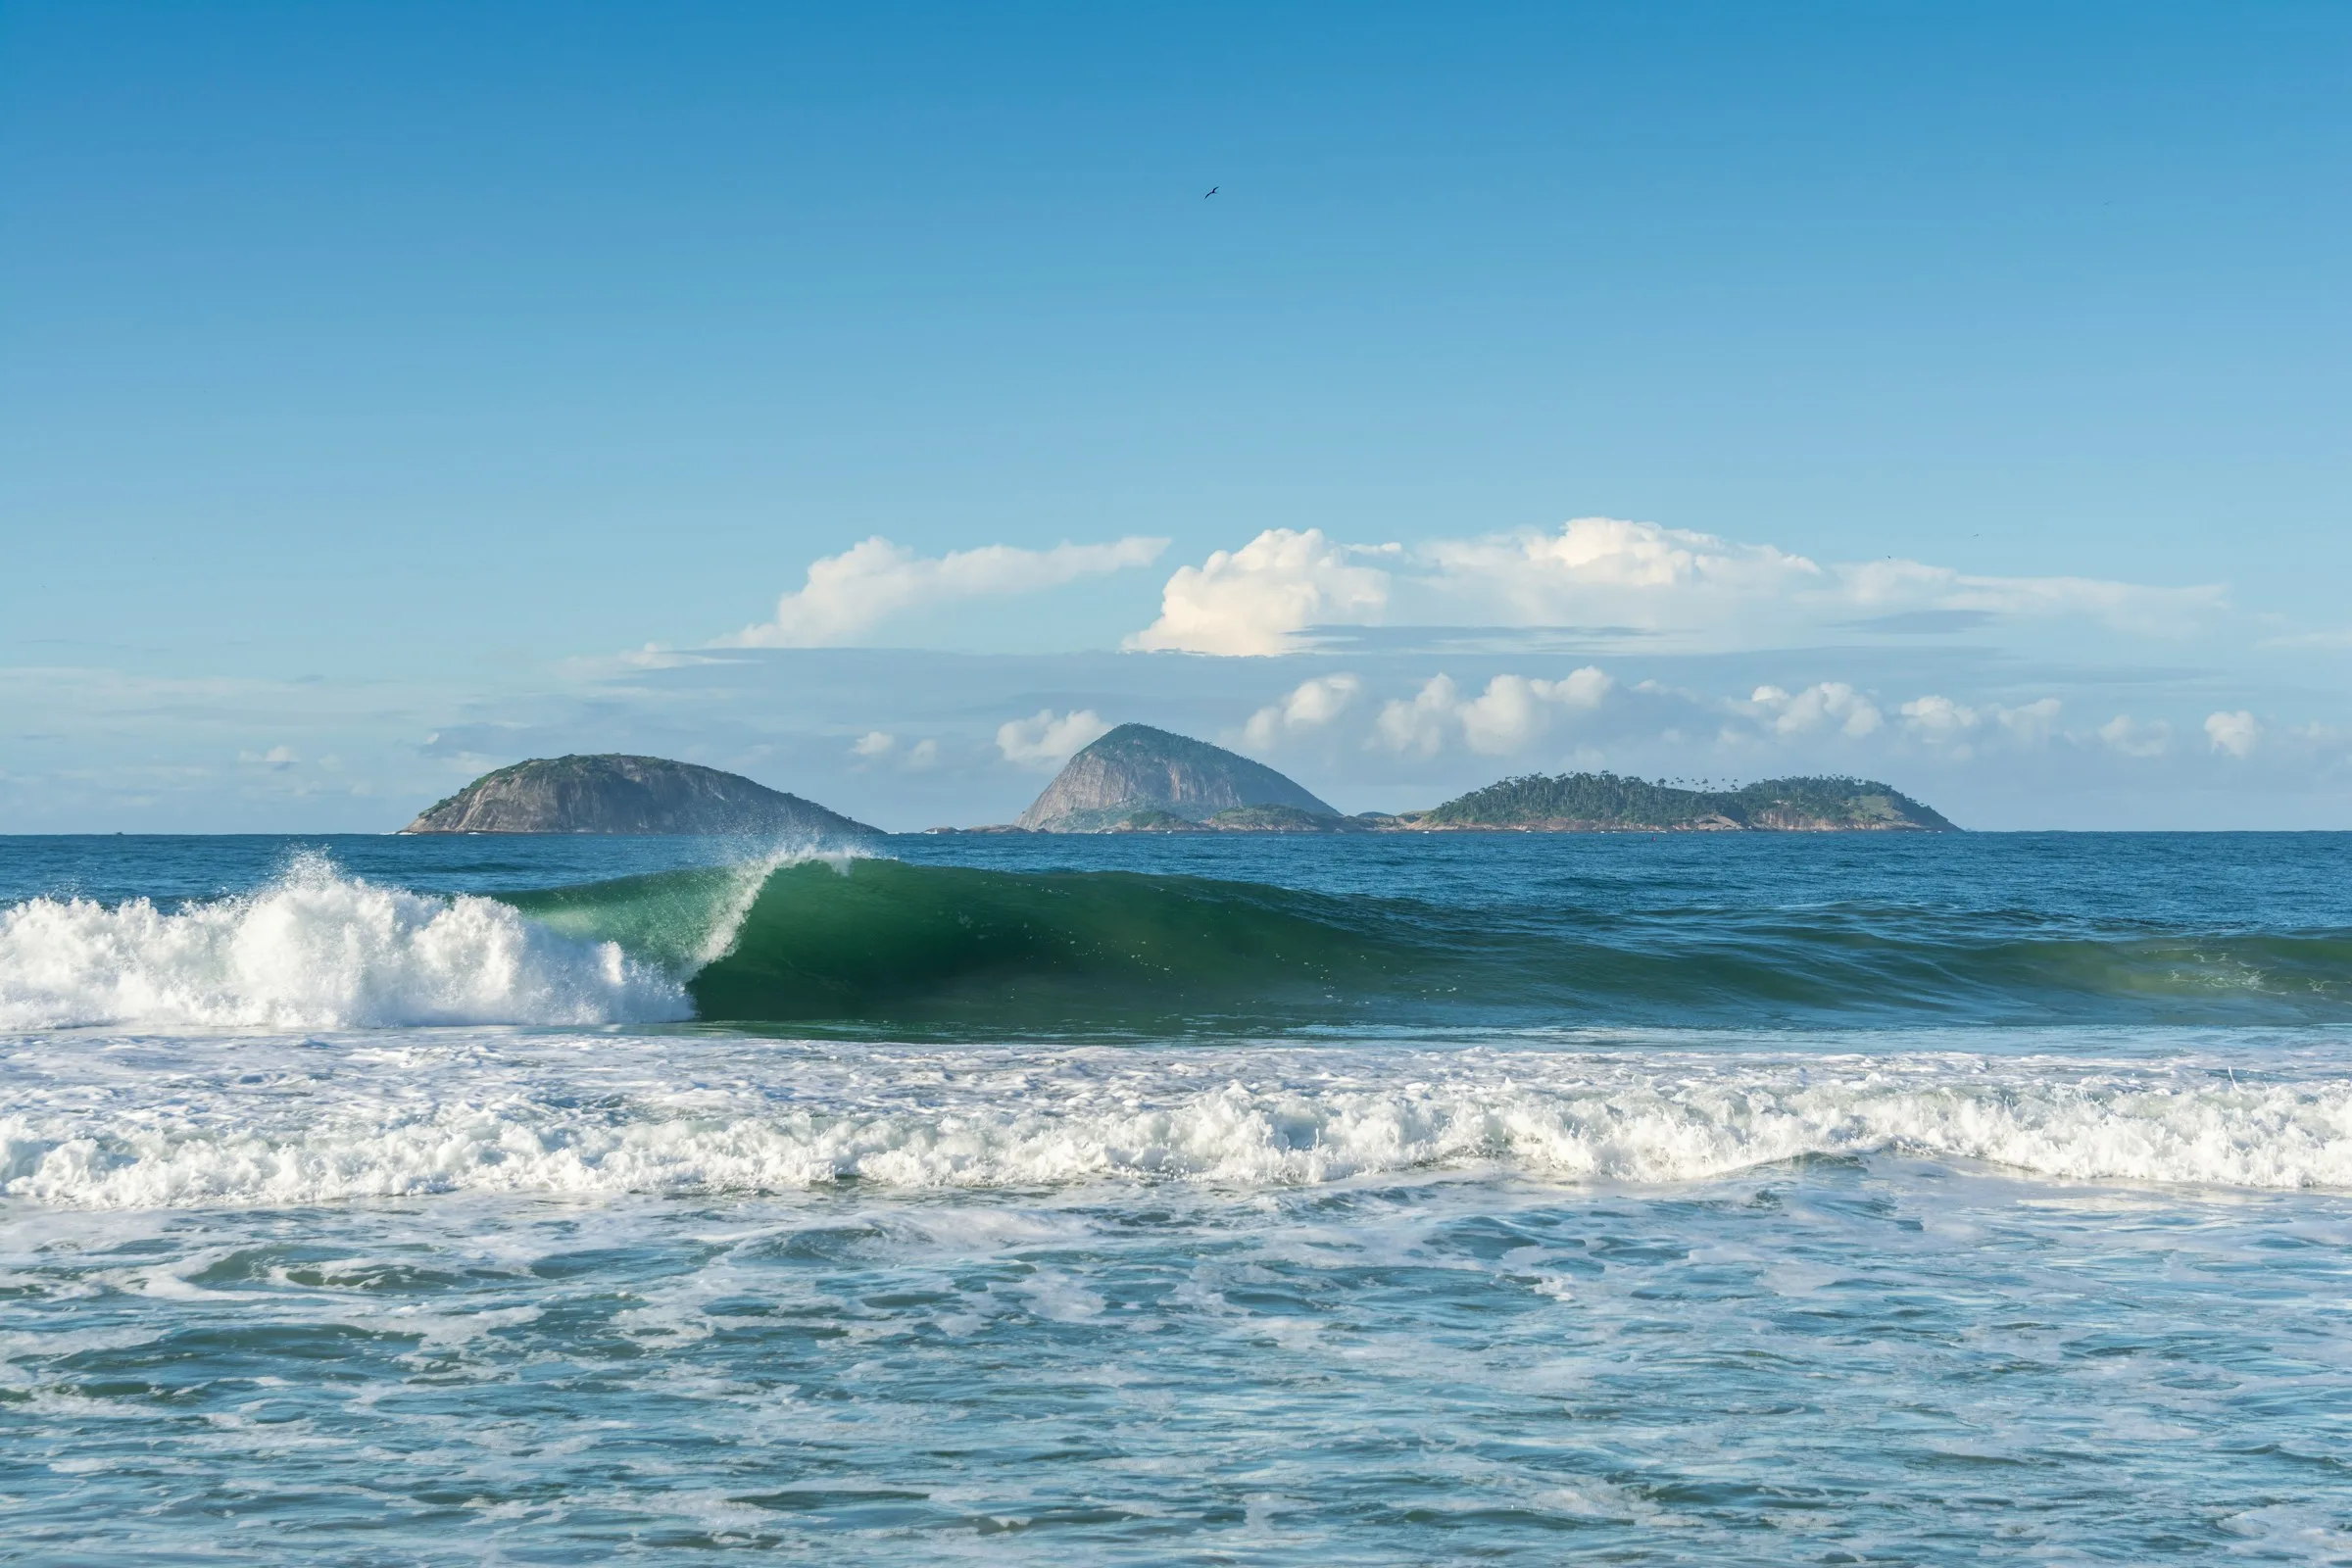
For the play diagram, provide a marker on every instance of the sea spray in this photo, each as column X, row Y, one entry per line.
column 313, row 950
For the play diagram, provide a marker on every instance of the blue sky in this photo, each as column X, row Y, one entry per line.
column 379, row 377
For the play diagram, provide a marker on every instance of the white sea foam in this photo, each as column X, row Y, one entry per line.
column 314, row 950
column 637, row 1116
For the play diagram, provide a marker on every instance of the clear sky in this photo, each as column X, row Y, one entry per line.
column 373, row 377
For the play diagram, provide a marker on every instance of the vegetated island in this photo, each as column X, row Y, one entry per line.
column 1138, row 779
column 1605, row 802
column 618, row 793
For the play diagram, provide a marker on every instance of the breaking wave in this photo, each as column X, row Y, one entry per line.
column 314, row 950
column 969, row 952
column 871, row 945
column 448, row 1119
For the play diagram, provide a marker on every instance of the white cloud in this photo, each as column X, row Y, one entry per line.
column 2029, row 723
column 1045, row 742
column 1512, row 711
column 876, row 746
column 1951, row 727
column 1419, row 724
column 1604, row 572
column 277, row 758
column 1312, row 705
column 1940, row 722
column 2235, row 733
column 1257, row 598
column 1828, row 704
column 849, row 595
column 2132, row 737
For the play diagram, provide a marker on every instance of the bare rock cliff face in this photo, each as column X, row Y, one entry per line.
column 614, row 794
column 1137, row 769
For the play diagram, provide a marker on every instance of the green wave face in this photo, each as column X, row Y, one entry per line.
column 878, row 942
column 677, row 919
column 884, row 941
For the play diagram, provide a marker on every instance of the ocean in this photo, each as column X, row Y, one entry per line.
column 1725, row 1199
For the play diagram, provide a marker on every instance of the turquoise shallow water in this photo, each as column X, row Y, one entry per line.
column 1761, row 1200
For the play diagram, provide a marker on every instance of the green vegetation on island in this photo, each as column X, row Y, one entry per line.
column 1608, row 803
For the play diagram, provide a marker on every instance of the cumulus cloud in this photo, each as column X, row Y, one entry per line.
column 2029, row 723
column 1045, row 742
column 1257, row 598
column 849, row 595
column 1418, row 725
column 1312, row 705
column 2130, row 737
column 1939, row 721
column 1830, row 705
column 1603, row 573
column 1953, row 726
column 1512, row 711
column 2235, row 733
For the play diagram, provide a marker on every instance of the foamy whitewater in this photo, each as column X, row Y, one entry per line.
column 482, row 1201
column 120, row 1123
column 313, row 950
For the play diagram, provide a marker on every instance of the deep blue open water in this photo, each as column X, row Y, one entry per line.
column 1217, row 1199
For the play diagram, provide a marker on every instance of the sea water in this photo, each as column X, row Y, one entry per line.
column 1394, row 1199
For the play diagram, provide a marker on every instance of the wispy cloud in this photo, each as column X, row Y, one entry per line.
column 877, row 748
column 2126, row 736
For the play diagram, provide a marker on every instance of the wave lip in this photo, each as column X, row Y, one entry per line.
column 791, row 1118
column 964, row 951
column 316, row 950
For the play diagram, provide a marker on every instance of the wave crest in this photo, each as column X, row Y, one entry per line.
column 316, row 950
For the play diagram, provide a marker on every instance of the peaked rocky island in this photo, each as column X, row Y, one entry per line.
column 619, row 794
column 1138, row 779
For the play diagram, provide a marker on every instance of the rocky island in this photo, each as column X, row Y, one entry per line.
column 1138, row 779
column 617, row 794
column 1604, row 803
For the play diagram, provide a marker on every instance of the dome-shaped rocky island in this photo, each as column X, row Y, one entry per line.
column 613, row 793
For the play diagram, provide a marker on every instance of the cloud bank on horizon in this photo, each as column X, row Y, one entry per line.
column 1603, row 574
column 1597, row 577
column 1387, row 675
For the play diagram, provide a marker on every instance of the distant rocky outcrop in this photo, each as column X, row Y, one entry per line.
column 615, row 794
column 1604, row 803
column 1138, row 779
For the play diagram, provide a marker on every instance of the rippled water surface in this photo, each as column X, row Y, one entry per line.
column 1424, row 1200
